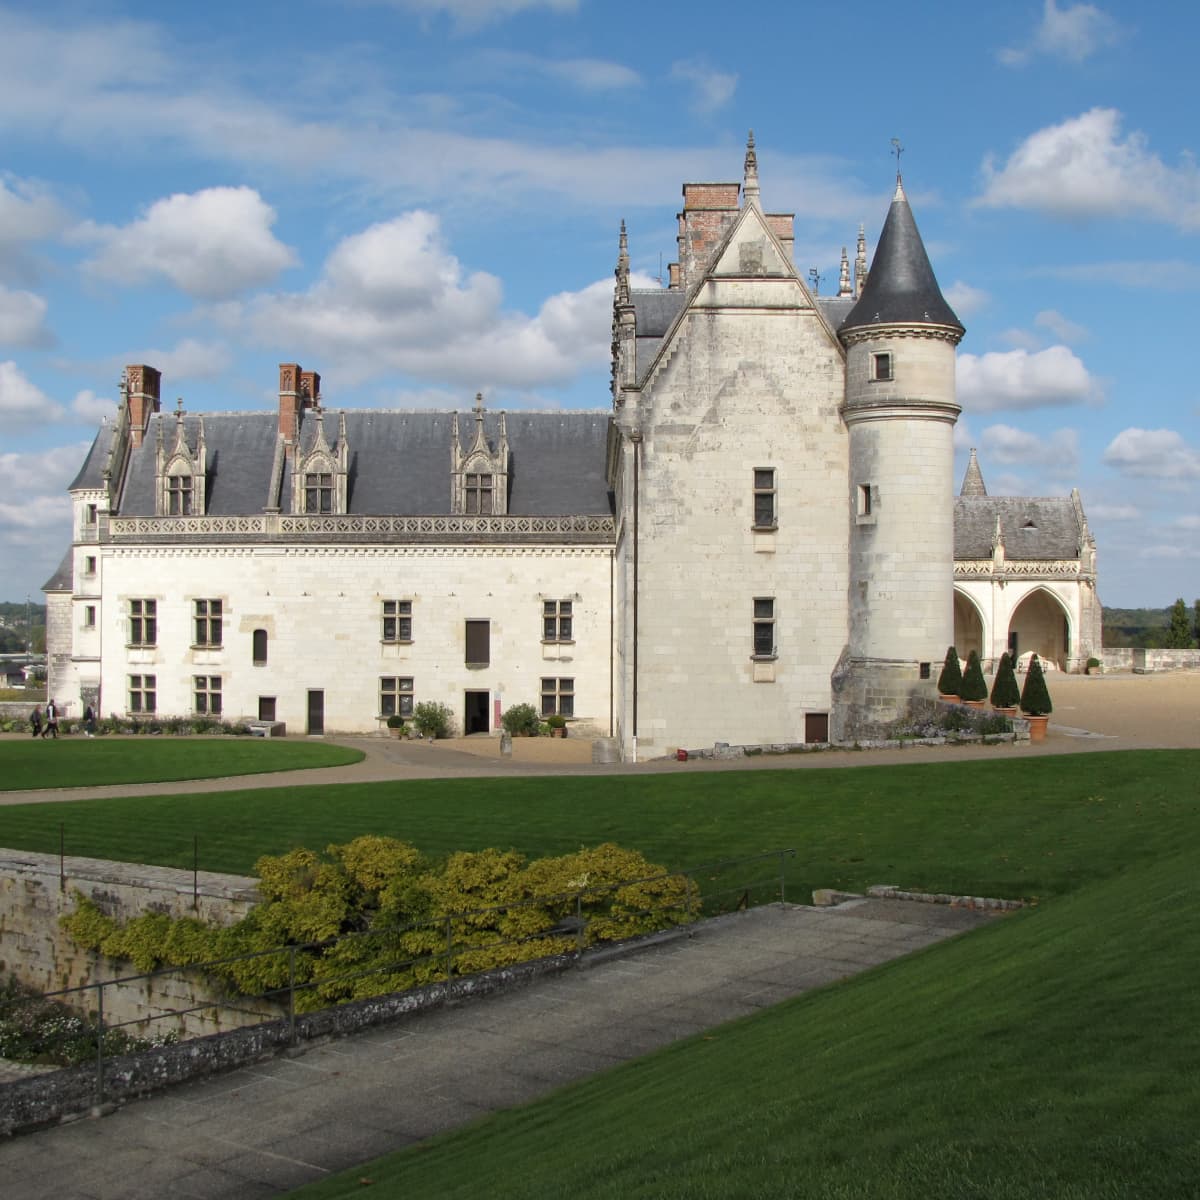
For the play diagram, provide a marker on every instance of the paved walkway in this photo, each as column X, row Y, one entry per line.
column 274, row 1126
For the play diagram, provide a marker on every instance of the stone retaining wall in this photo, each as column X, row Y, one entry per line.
column 34, row 895
column 1129, row 658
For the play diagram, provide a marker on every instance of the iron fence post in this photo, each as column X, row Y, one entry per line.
column 292, row 994
column 99, row 1043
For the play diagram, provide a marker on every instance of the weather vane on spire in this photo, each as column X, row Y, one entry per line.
column 897, row 150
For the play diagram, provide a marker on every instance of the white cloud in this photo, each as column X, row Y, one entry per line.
column 711, row 89
column 1114, row 512
column 22, row 402
column 965, row 299
column 1082, row 168
column 188, row 360
column 23, row 320
column 210, row 244
column 1152, row 454
column 28, row 214
column 1074, row 33
column 586, row 74
column 470, row 15
column 1063, row 329
column 1018, row 379
column 1162, row 275
column 92, row 409
column 1009, row 446
column 394, row 298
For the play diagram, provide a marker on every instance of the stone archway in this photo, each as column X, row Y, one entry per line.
column 1041, row 623
column 968, row 626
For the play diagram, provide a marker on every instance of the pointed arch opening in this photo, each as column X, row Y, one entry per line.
column 968, row 625
column 1041, row 623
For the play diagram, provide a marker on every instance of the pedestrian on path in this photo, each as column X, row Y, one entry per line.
column 35, row 721
column 51, row 729
column 89, row 721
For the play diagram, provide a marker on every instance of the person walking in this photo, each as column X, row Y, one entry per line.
column 89, row 721
column 51, row 729
column 35, row 721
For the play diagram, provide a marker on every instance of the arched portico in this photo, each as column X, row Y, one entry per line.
column 1042, row 622
column 970, row 626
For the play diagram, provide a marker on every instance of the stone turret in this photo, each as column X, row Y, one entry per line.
column 900, row 410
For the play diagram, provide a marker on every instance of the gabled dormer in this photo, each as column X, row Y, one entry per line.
column 321, row 472
column 479, row 475
column 180, row 471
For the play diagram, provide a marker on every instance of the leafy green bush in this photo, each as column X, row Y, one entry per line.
column 373, row 916
column 950, row 680
column 395, row 721
column 974, row 686
column 556, row 721
column 1006, row 692
column 433, row 719
column 1035, row 695
column 521, row 720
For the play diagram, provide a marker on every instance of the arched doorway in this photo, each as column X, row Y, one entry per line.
column 1040, row 623
column 968, row 626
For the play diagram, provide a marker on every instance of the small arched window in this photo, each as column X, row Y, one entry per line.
column 260, row 647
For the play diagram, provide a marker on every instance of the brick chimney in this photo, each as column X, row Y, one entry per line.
column 310, row 389
column 708, row 211
column 142, row 385
column 298, row 390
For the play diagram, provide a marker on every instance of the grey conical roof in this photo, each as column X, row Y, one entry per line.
column 901, row 287
column 972, row 484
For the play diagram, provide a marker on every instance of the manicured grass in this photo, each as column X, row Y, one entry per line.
column 1052, row 1055
column 92, row 762
column 1032, row 828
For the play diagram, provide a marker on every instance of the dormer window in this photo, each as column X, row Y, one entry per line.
column 318, row 492
column 179, row 496
column 479, row 495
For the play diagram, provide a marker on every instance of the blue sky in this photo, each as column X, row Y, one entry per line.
column 420, row 200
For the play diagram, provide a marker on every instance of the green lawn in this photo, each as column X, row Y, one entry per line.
column 1051, row 1055
column 1031, row 828
column 92, row 762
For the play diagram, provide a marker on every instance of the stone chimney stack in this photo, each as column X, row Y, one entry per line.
column 143, row 386
column 298, row 390
column 310, row 389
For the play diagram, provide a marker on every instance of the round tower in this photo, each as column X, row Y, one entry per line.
column 900, row 410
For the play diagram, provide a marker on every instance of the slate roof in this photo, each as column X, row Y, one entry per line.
column 1034, row 528
column 901, row 287
column 656, row 310
column 63, row 579
column 91, row 473
column 835, row 308
column 399, row 461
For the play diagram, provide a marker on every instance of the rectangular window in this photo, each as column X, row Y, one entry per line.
column 765, row 516
column 207, row 622
column 864, row 499
column 479, row 495
column 179, row 496
column 89, row 616
column 881, row 367
column 89, row 515
column 266, row 708
column 558, row 697
column 556, row 621
column 259, row 648
column 318, row 492
column 395, row 696
column 479, row 643
column 143, row 693
column 397, row 620
column 206, row 694
column 143, row 623
column 89, row 565
column 764, row 627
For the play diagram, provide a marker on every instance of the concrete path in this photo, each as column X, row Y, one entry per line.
column 272, row 1127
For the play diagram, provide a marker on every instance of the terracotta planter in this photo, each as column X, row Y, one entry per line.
column 949, row 698
column 1037, row 728
column 975, row 703
column 1006, row 712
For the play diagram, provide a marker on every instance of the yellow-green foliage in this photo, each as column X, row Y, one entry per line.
column 374, row 916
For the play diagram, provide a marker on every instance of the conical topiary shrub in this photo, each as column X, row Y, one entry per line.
column 950, row 680
column 974, row 686
column 1035, row 696
column 1006, row 692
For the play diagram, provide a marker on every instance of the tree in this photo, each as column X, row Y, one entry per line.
column 1006, row 692
column 950, row 680
column 1196, row 629
column 1179, row 631
column 974, row 686
column 1035, row 696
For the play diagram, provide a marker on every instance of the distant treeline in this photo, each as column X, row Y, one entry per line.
column 14, row 635
column 1153, row 628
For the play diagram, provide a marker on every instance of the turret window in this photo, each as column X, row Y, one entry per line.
column 881, row 367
